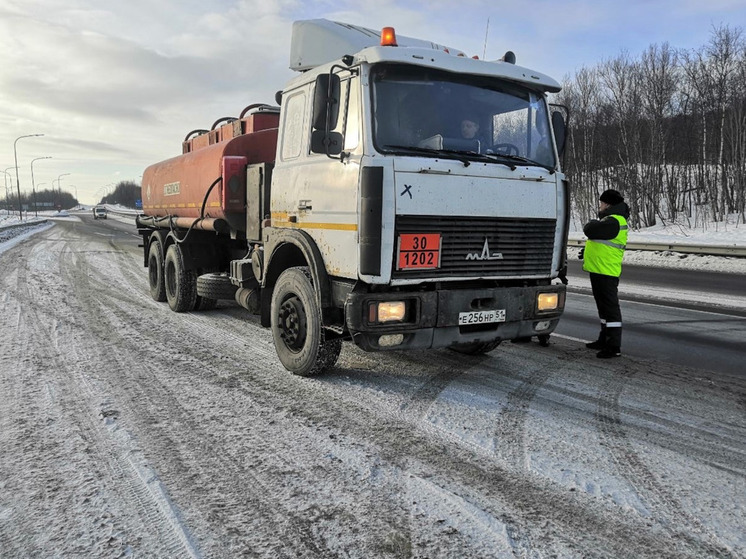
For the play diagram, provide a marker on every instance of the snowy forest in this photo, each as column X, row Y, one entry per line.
column 124, row 193
column 667, row 128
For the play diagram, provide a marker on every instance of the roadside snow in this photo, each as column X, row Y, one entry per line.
column 729, row 233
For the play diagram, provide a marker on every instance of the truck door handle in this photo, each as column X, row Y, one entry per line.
column 305, row 205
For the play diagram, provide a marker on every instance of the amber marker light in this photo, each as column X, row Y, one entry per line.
column 388, row 37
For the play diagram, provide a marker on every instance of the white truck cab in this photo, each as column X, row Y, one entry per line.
column 427, row 236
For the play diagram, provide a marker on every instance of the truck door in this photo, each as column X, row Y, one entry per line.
column 323, row 197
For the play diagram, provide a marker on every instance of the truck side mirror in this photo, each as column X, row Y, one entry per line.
column 560, row 131
column 329, row 143
column 326, row 102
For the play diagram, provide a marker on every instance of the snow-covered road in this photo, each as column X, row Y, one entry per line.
column 129, row 430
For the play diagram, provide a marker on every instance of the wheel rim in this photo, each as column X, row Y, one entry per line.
column 292, row 323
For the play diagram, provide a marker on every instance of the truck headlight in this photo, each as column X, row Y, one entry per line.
column 547, row 301
column 387, row 311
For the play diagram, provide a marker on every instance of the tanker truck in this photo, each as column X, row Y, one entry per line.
column 397, row 195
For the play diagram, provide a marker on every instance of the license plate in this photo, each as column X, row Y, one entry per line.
column 419, row 251
column 481, row 317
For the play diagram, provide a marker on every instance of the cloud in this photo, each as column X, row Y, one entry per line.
column 124, row 81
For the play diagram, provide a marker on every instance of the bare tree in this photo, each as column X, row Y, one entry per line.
column 581, row 98
column 667, row 129
column 622, row 91
column 660, row 80
column 723, row 51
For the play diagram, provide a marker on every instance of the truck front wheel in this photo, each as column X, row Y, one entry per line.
column 297, row 330
column 181, row 284
column 155, row 271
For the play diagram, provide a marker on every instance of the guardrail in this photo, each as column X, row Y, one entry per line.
column 712, row 250
column 123, row 212
column 23, row 224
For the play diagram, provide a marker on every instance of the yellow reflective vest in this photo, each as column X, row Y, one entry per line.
column 605, row 257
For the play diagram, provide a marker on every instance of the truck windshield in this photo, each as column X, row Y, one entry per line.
column 441, row 114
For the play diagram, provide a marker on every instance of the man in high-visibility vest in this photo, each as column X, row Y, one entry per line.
column 602, row 258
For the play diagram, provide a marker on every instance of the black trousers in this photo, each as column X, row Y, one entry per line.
column 605, row 292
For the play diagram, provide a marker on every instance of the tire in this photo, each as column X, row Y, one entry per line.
column 205, row 304
column 155, row 271
column 215, row 286
column 475, row 348
column 300, row 340
column 181, row 284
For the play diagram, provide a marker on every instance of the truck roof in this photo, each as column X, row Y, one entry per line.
column 317, row 44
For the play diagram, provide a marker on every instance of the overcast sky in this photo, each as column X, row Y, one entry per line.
column 115, row 85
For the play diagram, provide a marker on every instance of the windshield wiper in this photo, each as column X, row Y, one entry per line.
column 461, row 155
column 449, row 153
column 521, row 159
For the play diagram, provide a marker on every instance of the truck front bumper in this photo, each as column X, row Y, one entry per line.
column 432, row 317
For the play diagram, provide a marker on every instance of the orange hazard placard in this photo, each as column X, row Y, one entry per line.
column 419, row 251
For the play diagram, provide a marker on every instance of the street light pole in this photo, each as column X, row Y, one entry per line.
column 33, row 185
column 59, row 187
column 18, row 183
column 7, row 201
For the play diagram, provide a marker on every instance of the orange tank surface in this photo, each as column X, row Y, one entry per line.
column 177, row 186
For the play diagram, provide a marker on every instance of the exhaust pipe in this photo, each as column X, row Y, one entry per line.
column 248, row 299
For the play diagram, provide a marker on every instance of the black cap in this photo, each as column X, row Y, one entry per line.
column 612, row 197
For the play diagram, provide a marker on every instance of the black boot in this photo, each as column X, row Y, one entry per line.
column 600, row 343
column 609, row 352
column 613, row 347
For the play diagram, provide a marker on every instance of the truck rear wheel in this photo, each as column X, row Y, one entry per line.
column 475, row 348
column 181, row 284
column 300, row 340
column 155, row 271
column 205, row 304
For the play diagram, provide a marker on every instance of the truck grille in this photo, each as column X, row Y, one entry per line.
column 526, row 246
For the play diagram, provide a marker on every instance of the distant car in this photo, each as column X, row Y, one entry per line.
column 99, row 212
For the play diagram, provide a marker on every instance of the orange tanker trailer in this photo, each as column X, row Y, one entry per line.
column 205, row 187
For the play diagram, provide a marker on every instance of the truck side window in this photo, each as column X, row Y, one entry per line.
column 352, row 131
column 293, row 126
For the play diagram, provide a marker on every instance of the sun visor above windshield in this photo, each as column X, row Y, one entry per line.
column 319, row 41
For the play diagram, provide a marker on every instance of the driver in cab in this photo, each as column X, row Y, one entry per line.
column 469, row 129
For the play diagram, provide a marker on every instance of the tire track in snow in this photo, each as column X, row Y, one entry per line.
column 662, row 504
column 510, row 428
column 256, row 495
column 128, row 474
column 58, row 473
column 448, row 368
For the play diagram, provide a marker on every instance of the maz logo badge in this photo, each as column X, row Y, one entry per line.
column 486, row 255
